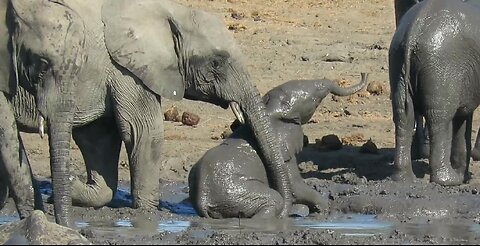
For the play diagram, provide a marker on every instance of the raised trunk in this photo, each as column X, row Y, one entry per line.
column 60, row 130
column 257, row 118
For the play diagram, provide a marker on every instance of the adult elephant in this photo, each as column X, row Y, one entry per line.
column 421, row 142
column 90, row 60
column 434, row 72
column 14, row 167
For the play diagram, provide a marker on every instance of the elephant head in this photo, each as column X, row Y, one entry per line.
column 173, row 50
column 181, row 52
column 48, row 51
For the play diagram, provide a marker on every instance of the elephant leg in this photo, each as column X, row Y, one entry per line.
column 461, row 144
column 14, row 166
column 255, row 200
column 100, row 145
column 476, row 148
column 3, row 193
column 440, row 151
column 140, row 119
column 459, row 154
column 302, row 193
column 421, row 145
column 404, row 119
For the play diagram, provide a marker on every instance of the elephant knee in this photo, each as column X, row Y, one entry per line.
column 91, row 195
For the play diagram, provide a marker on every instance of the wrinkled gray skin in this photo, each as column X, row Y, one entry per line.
column 230, row 180
column 434, row 72
column 93, row 64
column 37, row 230
column 14, row 167
column 421, row 146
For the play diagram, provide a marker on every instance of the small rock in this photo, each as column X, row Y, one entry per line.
column 329, row 142
column 190, row 119
column 377, row 88
column 369, row 147
column 171, row 114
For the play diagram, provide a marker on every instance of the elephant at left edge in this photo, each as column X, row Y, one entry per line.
column 96, row 63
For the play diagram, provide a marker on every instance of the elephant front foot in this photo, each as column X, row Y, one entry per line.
column 476, row 154
column 403, row 176
column 446, row 177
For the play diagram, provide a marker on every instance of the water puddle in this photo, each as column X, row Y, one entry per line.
column 175, row 201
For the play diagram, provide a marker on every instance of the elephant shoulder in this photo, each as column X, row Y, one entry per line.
column 139, row 37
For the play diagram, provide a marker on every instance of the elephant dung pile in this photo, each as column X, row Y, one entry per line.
column 187, row 118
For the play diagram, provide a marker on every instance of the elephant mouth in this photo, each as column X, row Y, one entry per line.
column 237, row 112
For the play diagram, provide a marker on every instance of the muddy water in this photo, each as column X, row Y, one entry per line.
column 350, row 219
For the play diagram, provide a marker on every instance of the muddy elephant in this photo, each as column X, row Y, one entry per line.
column 37, row 230
column 93, row 62
column 421, row 145
column 434, row 68
column 230, row 180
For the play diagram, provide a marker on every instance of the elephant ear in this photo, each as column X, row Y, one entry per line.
column 6, row 84
column 139, row 36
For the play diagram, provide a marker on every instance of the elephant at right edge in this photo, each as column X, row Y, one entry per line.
column 434, row 63
column 421, row 143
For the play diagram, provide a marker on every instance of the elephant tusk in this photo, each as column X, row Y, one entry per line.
column 237, row 112
column 14, row 59
column 41, row 129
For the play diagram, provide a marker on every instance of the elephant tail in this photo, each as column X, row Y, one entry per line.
column 340, row 91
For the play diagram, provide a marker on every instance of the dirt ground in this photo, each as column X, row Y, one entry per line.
column 306, row 39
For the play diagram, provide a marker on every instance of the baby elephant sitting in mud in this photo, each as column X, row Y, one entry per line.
column 230, row 180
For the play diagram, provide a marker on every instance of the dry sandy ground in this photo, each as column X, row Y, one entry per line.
column 305, row 39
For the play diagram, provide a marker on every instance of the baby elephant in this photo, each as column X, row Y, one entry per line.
column 230, row 180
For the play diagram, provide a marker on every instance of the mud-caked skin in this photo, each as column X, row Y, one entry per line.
column 97, row 70
column 434, row 72
column 230, row 180
column 421, row 145
column 37, row 230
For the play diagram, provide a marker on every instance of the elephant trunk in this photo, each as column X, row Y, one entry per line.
column 60, row 130
column 257, row 118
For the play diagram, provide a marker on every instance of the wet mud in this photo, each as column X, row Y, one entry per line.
column 364, row 207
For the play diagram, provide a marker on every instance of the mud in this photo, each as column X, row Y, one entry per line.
column 285, row 40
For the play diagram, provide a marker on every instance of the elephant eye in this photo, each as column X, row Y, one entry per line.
column 216, row 64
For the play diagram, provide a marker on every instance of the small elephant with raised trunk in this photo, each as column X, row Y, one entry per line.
column 230, row 180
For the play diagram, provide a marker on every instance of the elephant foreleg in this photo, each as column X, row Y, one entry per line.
column 302, row 193
column 3, row 193
column 14, row 166
column 476, row 148
column 140, row 120
column 100, row 145
column 441, row 129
